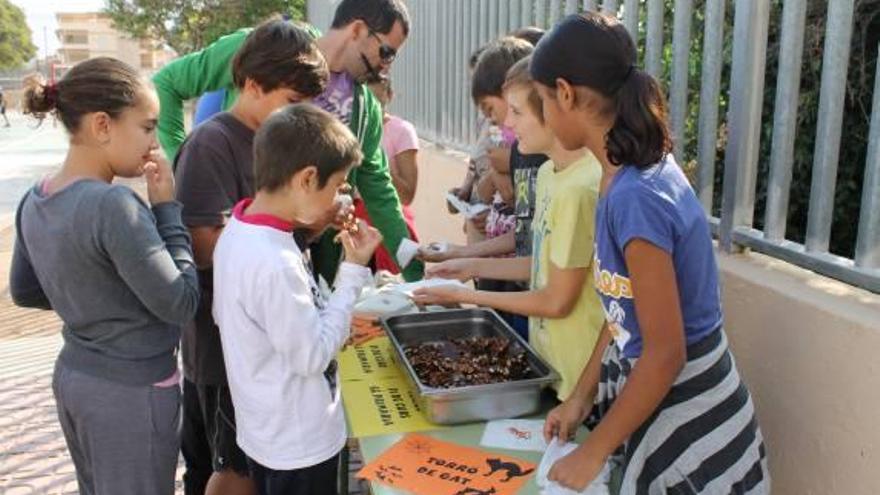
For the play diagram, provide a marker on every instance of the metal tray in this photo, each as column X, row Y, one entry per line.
column 470, row 403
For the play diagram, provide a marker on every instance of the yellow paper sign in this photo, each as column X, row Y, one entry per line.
column 368, row 361
column 382, row 406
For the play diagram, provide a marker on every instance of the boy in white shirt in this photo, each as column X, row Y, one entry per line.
column 280, row 337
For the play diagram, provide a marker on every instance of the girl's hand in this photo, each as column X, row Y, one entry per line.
column 577, row 470
column 563, row 420
column 444, row 296
column 159, row 177
column 359, row 244
column 459, row 269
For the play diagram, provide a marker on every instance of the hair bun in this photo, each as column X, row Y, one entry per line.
column 39, row 98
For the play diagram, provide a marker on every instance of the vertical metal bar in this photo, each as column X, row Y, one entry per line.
column 710, row 89
column 493, row 19
column 455, row 97
column 473, row 43
column 610, row 7
column 445, row 77
column 591, row 5
column 654, row 38
column 541, row 14
column 503, row 18
column 484, row 22
column 835, row 62
column 554, row 12
column 746, row 98
column 631, row 18
column 515, row 15
column 432, row 77
column 527, row 9
column 571, row 7
column 868, row 241
column 785, row 118
column 681, row 43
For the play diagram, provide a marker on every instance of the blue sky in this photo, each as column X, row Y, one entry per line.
column 41, row 13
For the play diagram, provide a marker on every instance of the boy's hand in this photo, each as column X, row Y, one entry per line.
column 359, row 243
column 443, row 296
column 159, row 177
column 459, row 269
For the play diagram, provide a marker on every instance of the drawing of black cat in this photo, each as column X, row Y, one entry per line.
column 474, row 491
column 512, row 469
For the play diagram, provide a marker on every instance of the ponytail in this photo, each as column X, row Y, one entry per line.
column 595, row 51
column 640, row 135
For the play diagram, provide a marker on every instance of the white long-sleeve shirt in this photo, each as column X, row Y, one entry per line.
column 280, row 341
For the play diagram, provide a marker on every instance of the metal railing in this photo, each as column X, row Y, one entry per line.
column 431, row 83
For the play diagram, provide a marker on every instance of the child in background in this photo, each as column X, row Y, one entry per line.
column 280, row 337
column 117, row 271
column 668, row 403
column 401, row 144
column 277, row 64
column 565, row 315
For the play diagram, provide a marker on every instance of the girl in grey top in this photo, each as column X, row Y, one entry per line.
column 119, row 273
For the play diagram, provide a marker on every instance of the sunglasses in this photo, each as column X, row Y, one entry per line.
column 386, row 52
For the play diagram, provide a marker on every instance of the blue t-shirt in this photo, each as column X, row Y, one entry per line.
column 657, row 205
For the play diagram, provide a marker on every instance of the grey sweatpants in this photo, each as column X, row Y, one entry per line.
column 123, row 439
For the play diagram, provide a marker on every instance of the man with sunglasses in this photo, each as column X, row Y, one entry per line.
column 360, row 45
column 362, row 42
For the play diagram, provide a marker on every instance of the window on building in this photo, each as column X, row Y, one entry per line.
column 76, row 38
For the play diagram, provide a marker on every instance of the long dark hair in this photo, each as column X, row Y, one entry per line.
column 597, row 52
column 100, row 84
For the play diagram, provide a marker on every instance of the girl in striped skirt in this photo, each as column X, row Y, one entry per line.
column 668, row 405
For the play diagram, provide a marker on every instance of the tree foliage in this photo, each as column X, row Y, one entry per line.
column 16, row 47
column 189, row 25
column 856, row 112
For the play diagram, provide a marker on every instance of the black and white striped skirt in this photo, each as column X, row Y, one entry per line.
column 703, row 439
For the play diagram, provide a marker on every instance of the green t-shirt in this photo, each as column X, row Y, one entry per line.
column 562, row 232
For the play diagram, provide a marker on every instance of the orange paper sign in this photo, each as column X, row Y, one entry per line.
column 364, row 329
column 427, row 466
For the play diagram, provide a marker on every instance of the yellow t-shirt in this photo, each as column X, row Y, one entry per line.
column 562, row 230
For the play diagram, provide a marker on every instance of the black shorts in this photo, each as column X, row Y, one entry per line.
column 320, row 479
column 209, row 430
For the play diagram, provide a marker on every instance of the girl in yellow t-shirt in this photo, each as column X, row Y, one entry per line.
column 565, row 315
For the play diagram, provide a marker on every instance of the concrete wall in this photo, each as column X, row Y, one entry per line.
column 808, row 346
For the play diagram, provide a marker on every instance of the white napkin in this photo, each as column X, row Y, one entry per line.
column 466, row 209
column 557, row 450
column 406, row 251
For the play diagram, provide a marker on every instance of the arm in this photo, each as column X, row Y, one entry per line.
column 405, row 175
column 373, row 181
column 514, row 269
column 499, row 160
column 204, row 239
column 497, row 246
column 308, row 339
column 658, row 310
column 206, row 188
column 564, row 420
column 189, row 77
column 555, row 300
column 151, row 253
column 24, row 286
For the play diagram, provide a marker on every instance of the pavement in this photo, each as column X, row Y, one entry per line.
column 33, row 456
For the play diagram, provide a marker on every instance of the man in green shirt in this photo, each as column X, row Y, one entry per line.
column 362, row 42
